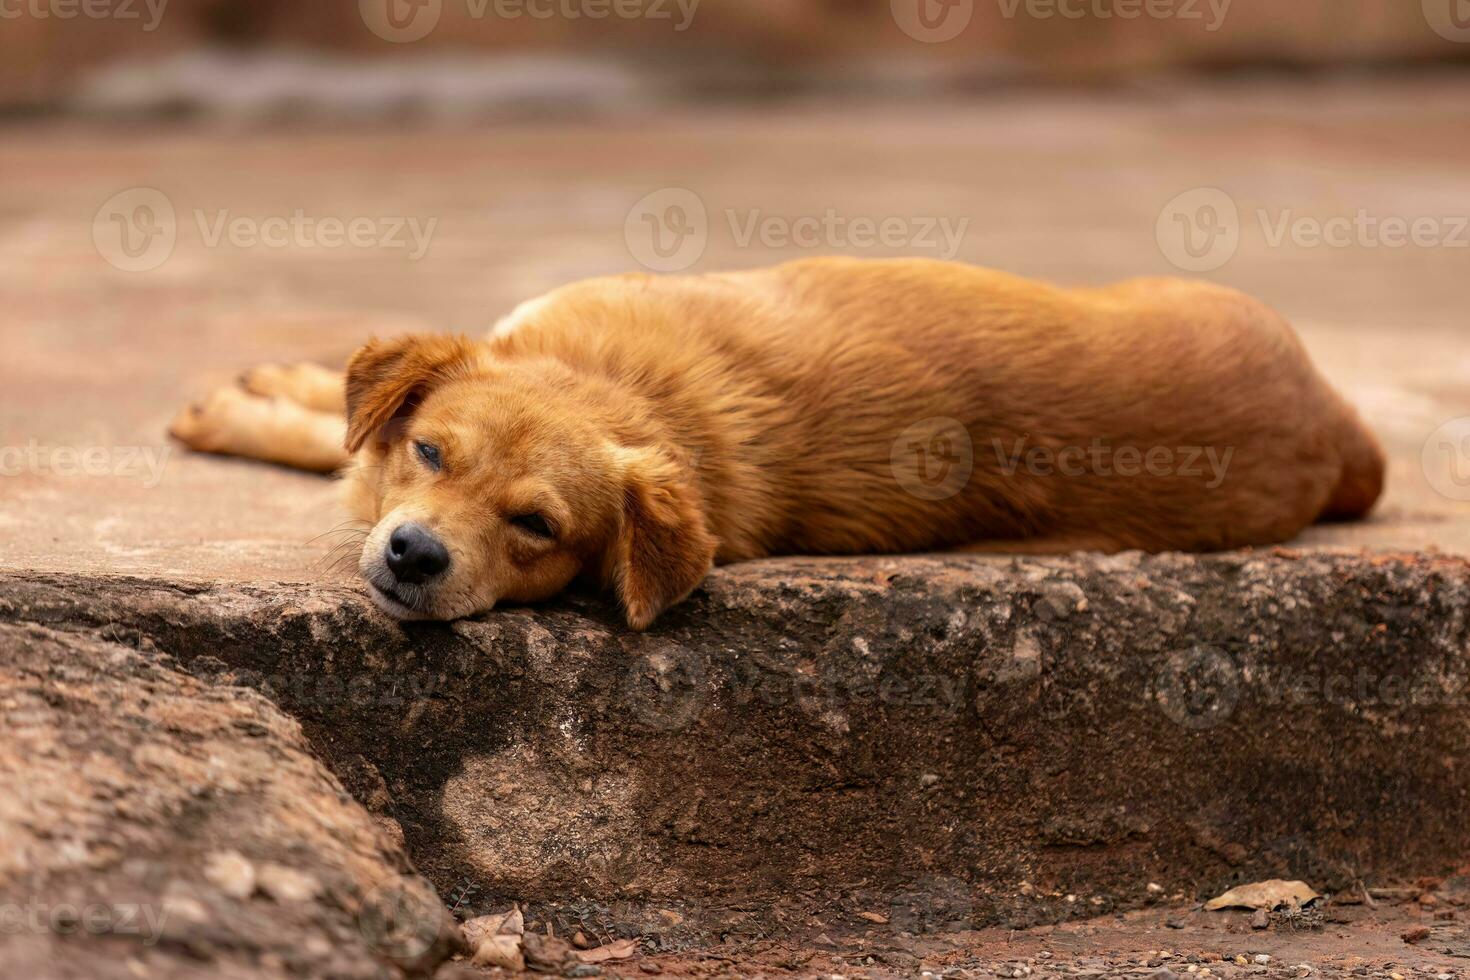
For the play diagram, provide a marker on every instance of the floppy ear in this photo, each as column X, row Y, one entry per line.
column 387, row 378
column 664, row 548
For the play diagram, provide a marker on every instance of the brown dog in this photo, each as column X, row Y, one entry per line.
column 637, row 429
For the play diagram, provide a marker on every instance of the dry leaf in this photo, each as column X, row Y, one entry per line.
column 510, row 923
column 620, row 950
column 503, row 951
column 1264, row 895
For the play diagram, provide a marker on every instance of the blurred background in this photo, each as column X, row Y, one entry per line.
column 465, row 58
column 189, row 187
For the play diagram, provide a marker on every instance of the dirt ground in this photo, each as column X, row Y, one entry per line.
column 1395, row 937
column 1067, row 187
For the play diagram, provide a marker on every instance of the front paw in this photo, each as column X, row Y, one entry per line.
column 211, row 424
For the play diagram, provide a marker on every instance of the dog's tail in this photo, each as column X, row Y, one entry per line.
column 1361, row 483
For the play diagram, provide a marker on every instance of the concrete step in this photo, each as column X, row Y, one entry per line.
column 951, row 740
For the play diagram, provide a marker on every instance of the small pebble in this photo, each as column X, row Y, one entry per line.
column 1262, row 959
column 231, row 872
column 285, row 884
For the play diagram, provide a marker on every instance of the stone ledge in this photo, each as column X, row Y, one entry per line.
column 946, row 739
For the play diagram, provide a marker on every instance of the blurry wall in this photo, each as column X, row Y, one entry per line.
column 49, row 49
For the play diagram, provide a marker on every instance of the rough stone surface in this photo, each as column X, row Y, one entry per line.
column 945, row 739
column 145, row 813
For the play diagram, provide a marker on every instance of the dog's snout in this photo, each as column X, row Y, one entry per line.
column 414, row 554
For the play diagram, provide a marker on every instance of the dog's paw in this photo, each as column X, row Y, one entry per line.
column 212, row 425
column 308, row 385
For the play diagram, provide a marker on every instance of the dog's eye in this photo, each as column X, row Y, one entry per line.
column 429, row 454
column 533, row 524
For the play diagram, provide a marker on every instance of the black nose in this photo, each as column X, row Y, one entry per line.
column 414, row 555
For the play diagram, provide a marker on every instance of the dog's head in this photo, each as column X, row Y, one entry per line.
column 496, row 480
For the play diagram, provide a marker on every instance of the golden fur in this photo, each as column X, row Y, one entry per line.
column 662, row 424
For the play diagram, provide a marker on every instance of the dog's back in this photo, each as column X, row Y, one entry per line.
column 818, row 401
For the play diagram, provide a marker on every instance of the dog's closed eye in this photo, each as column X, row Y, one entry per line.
column 534, row 524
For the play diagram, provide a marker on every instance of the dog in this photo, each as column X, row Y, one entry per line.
column 636, row 430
